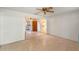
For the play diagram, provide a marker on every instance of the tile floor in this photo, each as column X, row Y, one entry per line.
column 42, row 42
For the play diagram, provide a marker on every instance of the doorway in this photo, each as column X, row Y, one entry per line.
column 35, row 25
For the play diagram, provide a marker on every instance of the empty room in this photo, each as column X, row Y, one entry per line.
column 39, row 29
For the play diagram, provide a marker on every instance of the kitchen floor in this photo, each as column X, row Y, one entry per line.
column 36, row 41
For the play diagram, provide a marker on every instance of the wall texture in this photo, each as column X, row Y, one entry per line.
column 12, row 26
column 65, row 25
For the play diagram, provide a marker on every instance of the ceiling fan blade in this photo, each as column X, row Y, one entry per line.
column 51, row 11
column 45, row 13
column 50, row 7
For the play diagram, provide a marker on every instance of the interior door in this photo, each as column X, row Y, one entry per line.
column 34, row 25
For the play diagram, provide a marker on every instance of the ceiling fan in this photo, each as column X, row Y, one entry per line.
column 45, row 10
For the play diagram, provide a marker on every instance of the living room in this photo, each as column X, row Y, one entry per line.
column 60, row 24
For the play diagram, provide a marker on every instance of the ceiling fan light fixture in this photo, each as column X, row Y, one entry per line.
column 46, row 10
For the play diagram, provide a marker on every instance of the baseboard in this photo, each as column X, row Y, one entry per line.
column 61, row 37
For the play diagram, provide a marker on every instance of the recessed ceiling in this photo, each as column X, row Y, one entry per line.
column 32, row 10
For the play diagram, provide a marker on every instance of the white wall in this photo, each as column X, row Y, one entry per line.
column 1, row 23
column 65, row 25
column 12, row 25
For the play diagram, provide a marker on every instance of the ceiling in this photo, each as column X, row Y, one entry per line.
column 32, row 10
